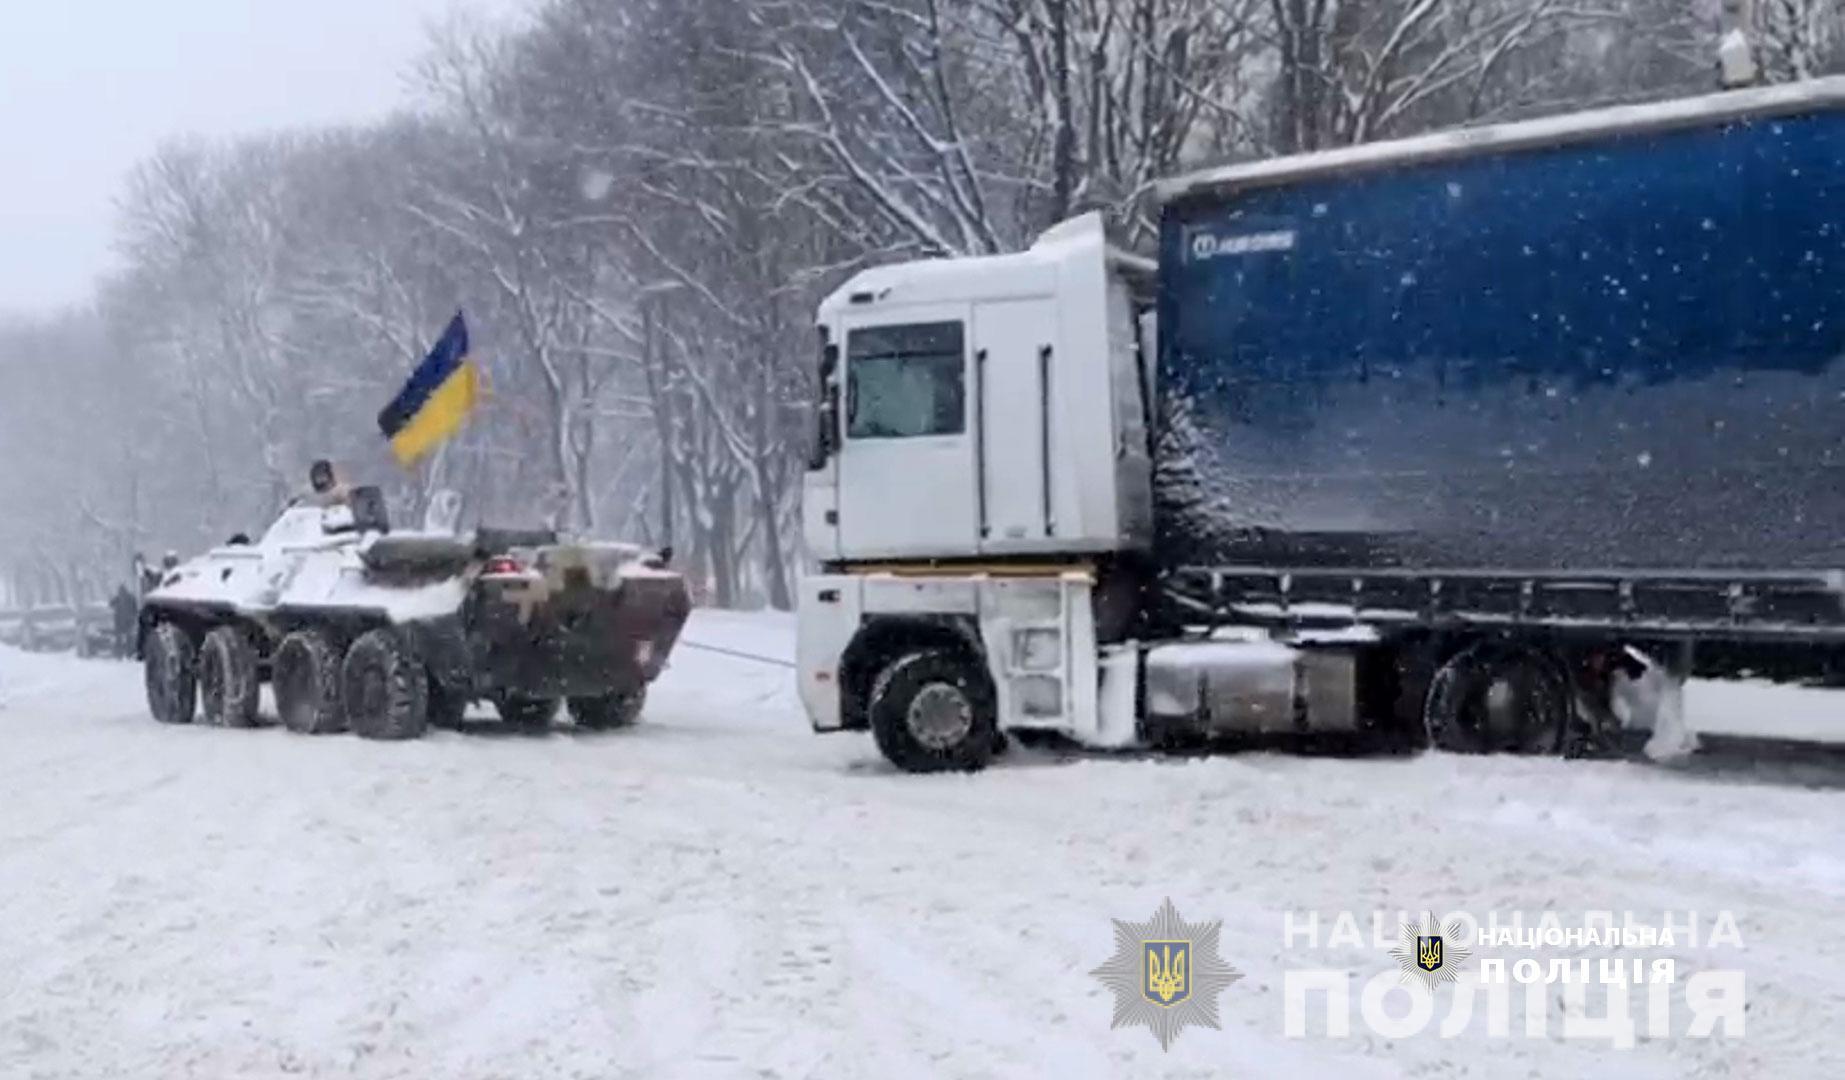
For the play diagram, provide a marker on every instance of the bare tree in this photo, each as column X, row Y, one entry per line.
column 1354, row 70
column 639, row 203
column 1796, row 39
column 510, row 211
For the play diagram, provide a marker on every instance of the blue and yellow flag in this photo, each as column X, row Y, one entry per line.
column 442, row 391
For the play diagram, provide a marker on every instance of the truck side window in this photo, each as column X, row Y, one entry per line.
column 906, row 381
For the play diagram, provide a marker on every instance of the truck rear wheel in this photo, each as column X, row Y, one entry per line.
column 386, row 688
column 933, row 711
column 608, row 711
column 532, row 714
column 228, row 683
column 170, row 672
column 306, row 680
column 1498, row 697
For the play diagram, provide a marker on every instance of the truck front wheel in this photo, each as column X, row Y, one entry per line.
column 306, row 680
column 386, row 688
column 933, row 711
column 171, row 673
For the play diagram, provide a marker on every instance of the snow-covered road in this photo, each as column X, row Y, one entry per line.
column 718, row 893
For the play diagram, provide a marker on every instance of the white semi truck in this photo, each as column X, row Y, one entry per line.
column 1447, row 439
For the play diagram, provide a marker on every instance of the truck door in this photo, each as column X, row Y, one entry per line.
column 1014, row 368
column 907, row 460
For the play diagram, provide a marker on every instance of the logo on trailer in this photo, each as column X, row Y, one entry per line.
column 1208, row 245
column 1166, row 974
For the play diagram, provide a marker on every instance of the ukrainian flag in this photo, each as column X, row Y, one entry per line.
column 442, row 391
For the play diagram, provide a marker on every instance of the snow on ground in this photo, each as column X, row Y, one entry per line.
column 719, row 893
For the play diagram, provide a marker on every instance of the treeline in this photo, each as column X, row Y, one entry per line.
column 638, row 204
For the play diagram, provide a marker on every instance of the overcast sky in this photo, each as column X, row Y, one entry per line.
column 88, row 87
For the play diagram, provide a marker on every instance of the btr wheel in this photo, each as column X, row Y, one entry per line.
column 933, row 711
column 446, row 707
column 386, row 688
column 532, row 714
column 608, row 711
column 1498, row 697
column 306, row 681
column 170, row 671
column 228, row 684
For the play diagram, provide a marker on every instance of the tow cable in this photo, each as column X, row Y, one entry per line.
column 774, row 661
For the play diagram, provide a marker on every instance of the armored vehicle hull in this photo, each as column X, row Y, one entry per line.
column 387, row 633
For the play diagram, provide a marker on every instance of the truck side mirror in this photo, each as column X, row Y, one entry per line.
column 826, row 414
column 826, row 429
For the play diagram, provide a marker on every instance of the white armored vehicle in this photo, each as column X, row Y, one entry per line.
column 384, row 633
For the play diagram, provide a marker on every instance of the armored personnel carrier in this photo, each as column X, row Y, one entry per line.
column 384, row 633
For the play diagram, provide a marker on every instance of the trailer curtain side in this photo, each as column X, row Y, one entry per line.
column 1612, row 353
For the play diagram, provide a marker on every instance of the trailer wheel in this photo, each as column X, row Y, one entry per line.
column 933, row 711
column 533, row 715
column 1498, row 697
column 386, row 688
column 228, row 683
column 608, row 711
column 306, row 680
column 170, row 671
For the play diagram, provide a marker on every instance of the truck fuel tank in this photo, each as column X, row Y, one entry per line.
column 1250, row 687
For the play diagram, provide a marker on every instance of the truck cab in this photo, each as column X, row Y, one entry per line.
column 962, row 402
column 981, row 453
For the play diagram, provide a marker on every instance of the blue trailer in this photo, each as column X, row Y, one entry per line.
column 1631, row 331
column 1489, row 439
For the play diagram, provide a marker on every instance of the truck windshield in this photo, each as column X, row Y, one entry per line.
column 906, row 381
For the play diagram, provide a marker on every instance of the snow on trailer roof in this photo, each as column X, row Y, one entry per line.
column 1560, row 130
